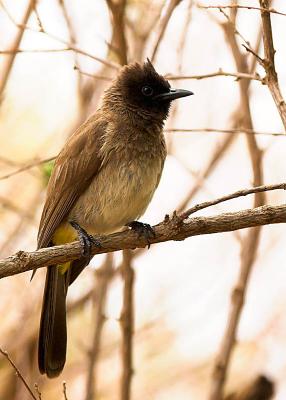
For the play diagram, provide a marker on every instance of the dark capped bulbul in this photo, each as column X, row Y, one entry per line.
column 103, row 180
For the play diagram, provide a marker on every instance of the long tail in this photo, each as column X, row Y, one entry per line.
column 53, row 328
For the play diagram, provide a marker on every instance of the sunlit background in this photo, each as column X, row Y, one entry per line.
column 182, row 289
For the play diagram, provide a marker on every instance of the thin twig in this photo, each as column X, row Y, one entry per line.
column 10, row 60
column 32, row 164
column 236, row 6
column 24, row 26
column 41, row 27
column 220, row 72
column 72, row 40
column 24, row 51
column 239, row 193
column 269, row 62
column 94, row 76
column 65, row 390
column 163, row 25
column 18, row 373
column 127, row 326
column 241, row 130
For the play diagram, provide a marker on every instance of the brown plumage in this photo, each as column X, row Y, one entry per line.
column 104, row 178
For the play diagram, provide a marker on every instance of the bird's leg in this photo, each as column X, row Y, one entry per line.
column 142, row 229
column 86, row 240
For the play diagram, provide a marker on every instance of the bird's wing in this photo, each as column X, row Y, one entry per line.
column 78, row 162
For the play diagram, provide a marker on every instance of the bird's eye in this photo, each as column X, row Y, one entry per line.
column 147, row 91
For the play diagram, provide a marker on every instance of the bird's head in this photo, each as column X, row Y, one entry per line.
column 144, row 92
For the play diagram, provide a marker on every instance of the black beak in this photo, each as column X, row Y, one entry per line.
column 172, row 95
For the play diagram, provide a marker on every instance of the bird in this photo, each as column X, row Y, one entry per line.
column 102, row 181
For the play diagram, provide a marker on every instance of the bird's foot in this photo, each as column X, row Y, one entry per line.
column 142, row 229
column 86, row 240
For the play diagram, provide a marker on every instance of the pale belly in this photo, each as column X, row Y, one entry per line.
column 118, row 195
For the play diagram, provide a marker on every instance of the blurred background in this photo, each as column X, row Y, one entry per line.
column 56, row 59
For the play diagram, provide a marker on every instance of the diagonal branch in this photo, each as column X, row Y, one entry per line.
column 163, row 25
column 269, row 62
column 18, row 373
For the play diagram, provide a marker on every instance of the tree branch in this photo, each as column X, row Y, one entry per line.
column 174, row 228
column 269, row 63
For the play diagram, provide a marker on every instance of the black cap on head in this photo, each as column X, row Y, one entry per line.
column 141, row 86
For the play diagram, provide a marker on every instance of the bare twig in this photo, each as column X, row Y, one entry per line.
column 38, row 17
column 65, row 390
column 24, row 51
column 24, row 26
column 175, row 228
column 18, row 373
column 236, row 6
column 163, row 25
column 220, row 72
column 269, row 63
column 32, row 164
column 214, row 130
column 239, row 193
column 127, row 325
column 70, row 27
column 94, row 76
column 10, row 60
column 72, row 40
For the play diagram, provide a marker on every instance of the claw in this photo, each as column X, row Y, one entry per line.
column 86, row 240
column 142, row 229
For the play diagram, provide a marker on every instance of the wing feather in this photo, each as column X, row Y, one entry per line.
column 76, row 165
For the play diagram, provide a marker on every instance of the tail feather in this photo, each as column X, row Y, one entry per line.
column 53, row 329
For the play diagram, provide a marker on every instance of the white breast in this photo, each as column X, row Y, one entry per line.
column 119, row 194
